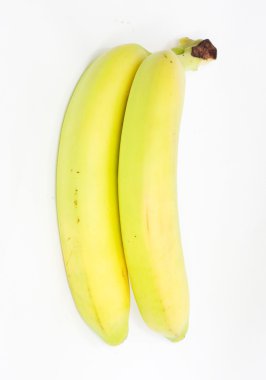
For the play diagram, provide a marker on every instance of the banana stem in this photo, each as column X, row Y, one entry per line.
column 193, row 53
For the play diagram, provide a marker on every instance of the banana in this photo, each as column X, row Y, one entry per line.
column 148, row 191
column 86, row 192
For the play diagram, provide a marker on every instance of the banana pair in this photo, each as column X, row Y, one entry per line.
column 116, row 189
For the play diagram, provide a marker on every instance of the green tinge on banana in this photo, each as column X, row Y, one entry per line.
column 147, row 187
column 87, row 199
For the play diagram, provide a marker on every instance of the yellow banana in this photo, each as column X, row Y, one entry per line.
column 87, row 199
column 147, row 188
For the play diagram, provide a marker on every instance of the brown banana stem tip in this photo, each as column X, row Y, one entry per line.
column 204, row 50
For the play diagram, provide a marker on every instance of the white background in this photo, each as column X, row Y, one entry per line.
column 44, row 47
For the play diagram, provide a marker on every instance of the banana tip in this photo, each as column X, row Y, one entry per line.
column 204, row 50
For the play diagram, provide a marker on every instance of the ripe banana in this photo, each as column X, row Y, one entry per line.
column 147, row 187
column 87, row 199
